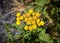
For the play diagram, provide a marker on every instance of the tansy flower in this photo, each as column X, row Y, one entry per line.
column 42, row 23
column 27, row 15
column 21, row 17
column 34, row 14
column 31, row 11
column 30, row 18
column 34, row 26
column 30, row 28
column 26, row 27
column 18, row 18
column 33, row 22
column 18, row 14
column 18, row 22
column 38, row 24
column 26, row 19
column 38, row 14
column 34, row 17
column 24, row 15
column 38, row 20
column 28, row 23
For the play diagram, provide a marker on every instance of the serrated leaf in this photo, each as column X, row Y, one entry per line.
column 43, row 36
column 17, row 36
column 41, row 2
column 15, row 26
column 39, row 29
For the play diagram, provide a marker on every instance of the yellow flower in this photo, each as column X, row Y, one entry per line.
column 18, row 18
column 34, row 26
column 18, row 14
column 31, row 11
column 38, row 14
column 28, row 23
column 26, row 19
column 18, row 22
column 38, row 24
column 30, row 28
column 38, row 20
column 34, row 14
column 33, row 22
column 42, row 23
column 24, row 15
column 34, row 17
column 30, row 18
column 21, row 17
column 27, row 15
column 26, row 27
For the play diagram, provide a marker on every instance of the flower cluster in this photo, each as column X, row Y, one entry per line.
column 31, row 19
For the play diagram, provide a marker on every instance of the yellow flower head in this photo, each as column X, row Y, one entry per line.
column 26, row 27
column 24, row 15
column 38, row 14
column 30, row 18
column 18, row 14
column 21, row 17
column 34, row 26
column 28, row 23
column 18, row 22
column 38, row 20
column 38, row 24
column 27, row 15
column 34, row 17
column 42, row 23
column 18, row 18
column 26, row 19
column 31, row 11
column 30, row 28
column 34, row 14
column 33, row 22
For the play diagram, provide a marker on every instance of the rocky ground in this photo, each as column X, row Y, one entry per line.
column 5, row 17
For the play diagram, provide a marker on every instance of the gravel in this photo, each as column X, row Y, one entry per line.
column 5, row 18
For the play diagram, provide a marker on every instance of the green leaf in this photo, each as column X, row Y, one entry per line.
column 26, row 10
column 8, row 42
column 44, row 11
column 38, row 9
column 26, row 35
column 41, row 2
column 58, row 26
column 9, row 36
column 17, row 36
column 50, row 41
column 39, row 29
column 53, row 11
column 43, row 36
column 58, row 40
column 15, row 26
